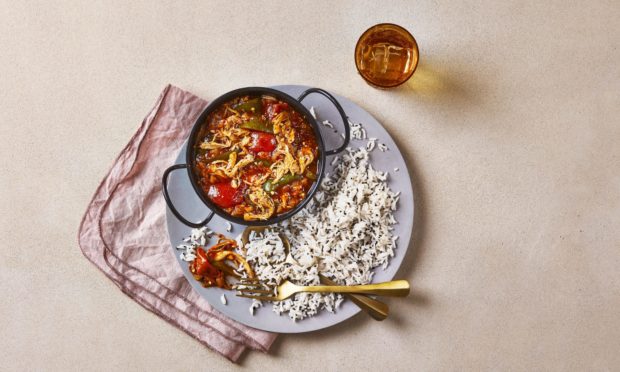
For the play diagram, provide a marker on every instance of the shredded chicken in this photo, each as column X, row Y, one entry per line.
column 282, row 127
column 279, row 122
column 265, row 207
column 233, row 167
column 278, row 170
column 216, row 145
column 288, row 163
column 305, row 157
column 256, row 179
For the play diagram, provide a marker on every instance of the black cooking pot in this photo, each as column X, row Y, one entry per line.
column 195, row 136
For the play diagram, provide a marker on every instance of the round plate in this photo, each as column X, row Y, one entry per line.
column 264, row 318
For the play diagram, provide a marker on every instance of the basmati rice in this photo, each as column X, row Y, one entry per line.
column 372, row 142
column 312, row 112
column 328, row 124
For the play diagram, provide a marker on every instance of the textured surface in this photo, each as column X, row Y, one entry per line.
column 510, row 127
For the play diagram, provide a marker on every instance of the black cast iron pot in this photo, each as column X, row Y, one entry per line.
column 194, row 137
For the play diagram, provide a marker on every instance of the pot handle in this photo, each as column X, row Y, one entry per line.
column 345, row 120
column 169, row 201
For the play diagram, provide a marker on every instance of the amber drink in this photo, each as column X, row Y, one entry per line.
column 386, row 55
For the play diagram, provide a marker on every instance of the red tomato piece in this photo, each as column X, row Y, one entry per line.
column 262, row 142
column 224, row 195
column 202, row 266
column 279, row 107
column 276, row 108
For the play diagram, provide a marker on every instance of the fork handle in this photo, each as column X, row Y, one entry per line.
column 395, row 288
column 376, row 309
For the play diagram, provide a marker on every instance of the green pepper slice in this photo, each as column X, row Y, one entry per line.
column 254, row 105
column 310, row 175
column 270, row 186
column 263, row 162
column 222, row 156
column 258, row 124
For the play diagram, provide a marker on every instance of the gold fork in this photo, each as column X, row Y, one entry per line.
column 376, row 309
column 257, row 291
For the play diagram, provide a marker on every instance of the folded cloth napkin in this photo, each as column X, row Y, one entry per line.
column 123, row 231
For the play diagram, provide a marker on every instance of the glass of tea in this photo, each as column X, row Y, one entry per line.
column 386, row 55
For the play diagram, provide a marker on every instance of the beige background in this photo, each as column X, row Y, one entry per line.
column 510, row 127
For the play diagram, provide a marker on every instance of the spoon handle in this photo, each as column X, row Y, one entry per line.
column 376, row 309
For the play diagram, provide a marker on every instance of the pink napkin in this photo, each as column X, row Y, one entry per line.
column 124, row 234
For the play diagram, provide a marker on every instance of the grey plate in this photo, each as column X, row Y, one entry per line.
column 264, row 318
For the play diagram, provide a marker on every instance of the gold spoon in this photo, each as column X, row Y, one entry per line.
column 376, row 309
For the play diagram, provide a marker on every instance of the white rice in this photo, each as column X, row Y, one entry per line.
column 370, row 145
column 255, row 305
column 229, row 226
column 312, row 112
column 357, row 131
column 347, row 225
column 383, row 147
column 198, row 237
column 328, row 124
column 223, row 299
